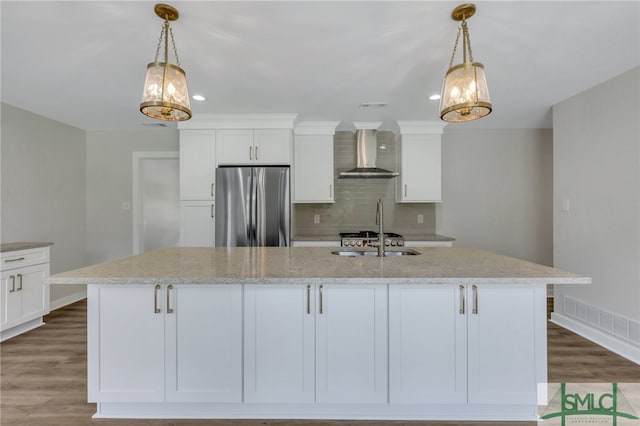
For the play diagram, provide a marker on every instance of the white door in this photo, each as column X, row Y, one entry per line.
column 203, row 343
column 33, row 293
column 427, row 344
column 156, row 207
column 272, row 146
column 279, row 344
column 197, row 164
column 131, row 367
column 313, row 168
column 421, row 174
column 234, row 146
column 9, row 309
column 504, row 332
column 351, row 344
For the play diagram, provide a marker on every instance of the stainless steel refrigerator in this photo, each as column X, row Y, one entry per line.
column 252, row 206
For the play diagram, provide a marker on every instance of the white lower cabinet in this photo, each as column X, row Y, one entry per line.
column 166, row 343
column 467, row 344
column 318, row 343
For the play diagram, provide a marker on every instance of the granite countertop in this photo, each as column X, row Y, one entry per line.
column 312, row 265
column 7, row 247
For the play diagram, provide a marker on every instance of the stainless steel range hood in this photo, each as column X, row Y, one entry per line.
column 367, row 155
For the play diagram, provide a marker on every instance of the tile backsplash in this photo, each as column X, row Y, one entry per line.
column 355, row 199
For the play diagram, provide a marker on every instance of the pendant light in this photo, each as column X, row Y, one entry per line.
column 465, row 94
column 165, row 95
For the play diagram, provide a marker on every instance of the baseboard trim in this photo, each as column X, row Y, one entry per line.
column 67, row 300
column 598, row 337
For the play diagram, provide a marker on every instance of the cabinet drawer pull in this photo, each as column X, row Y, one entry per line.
column 13, row 283
column 212, row 211
column 321, row 310
column 250, row 153
column 156, row 289
column 308, row 299
column 212, row 190
column 475, row 299
column 462, row 301
column 18, row 259
column 330, row 191
column 19, row 282
column 405, row 189
column 256, row 152
column 169, row 288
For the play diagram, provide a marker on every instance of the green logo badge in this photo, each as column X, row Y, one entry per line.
column 589, row 407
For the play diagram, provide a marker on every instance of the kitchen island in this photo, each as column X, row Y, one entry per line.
column 451, row 333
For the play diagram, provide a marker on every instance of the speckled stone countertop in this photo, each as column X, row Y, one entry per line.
column 7, row 247
column 312, row 265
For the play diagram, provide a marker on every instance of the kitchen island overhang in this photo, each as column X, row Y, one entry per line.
column 300, row 333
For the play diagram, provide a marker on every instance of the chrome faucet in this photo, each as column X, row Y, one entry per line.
column 379, row 222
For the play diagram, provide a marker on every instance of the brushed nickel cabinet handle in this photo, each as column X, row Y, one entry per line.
column 13, row 283
column 330, row 190
column 156, row 289
column 14, row 260
column 212, row 214
column 19, row 282
column 405, row 189
column 250, row 153
column 212, row 190
column 321, row 310
column 475, row 299
column 169, row 288
column 256, row 152
column 308, row 299
column 462, row 300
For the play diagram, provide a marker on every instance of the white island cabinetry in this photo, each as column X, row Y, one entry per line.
column 167, row 343
column 315, row 343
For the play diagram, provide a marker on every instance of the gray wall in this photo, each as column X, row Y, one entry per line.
column 597, row 169
column 109, row 184
column 497, row 191
column 44, row 189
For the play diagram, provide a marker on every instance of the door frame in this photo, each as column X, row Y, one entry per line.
column 136, row 208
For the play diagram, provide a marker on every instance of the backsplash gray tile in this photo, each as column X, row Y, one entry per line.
column 355, row 199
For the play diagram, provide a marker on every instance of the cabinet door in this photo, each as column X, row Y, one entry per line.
column 427, row 344
column 9, row 306
column 125, row 346
column 197, row 224
column 272, row 146
column 351, row 344
column 234, row 146
column 32, row 292
column 197, row 164
column 507, row 343
column 279, row 344
column 313, row 168
column 203, row 343
column 420, row 177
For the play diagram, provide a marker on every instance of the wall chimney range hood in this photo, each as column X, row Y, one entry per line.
column 367, row 155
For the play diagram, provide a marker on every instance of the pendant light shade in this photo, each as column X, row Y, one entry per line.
column 165, row 95
column 465, row 93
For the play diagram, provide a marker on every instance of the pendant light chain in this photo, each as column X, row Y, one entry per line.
column 466, row 43
column 467, row 39
column 173, row 43
column 155, row 59
column 455, row 47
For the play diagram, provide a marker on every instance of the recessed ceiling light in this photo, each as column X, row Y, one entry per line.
column 198, row 98
column 434, row 97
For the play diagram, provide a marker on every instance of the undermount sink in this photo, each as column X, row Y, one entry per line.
column 356, row 252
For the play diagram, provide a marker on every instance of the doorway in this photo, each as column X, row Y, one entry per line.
column 156, row 206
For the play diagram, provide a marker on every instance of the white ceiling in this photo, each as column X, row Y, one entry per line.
column 83, row 62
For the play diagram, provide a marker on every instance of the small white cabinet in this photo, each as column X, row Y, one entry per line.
column 167, row 343
column 313, row 162
column 197, row 164
column 197, row 224
column 316, row 343
column 419, row 159
column 467, row 344
column 24, row 295
column 253, row 146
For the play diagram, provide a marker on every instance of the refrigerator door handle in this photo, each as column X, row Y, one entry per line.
column 259, row 220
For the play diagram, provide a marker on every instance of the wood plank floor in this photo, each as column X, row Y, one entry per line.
column 44, row 380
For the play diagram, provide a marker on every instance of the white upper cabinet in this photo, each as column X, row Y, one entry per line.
column 197, row 164
column 419, row 162
column 260, row 146
column 313, row 162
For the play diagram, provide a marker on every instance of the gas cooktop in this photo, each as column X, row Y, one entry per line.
column 364, row 238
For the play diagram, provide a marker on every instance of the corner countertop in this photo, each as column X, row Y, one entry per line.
column 7, row 247
column 312, row 265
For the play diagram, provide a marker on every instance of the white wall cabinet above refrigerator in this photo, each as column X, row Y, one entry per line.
column 419, row 161
column 259, row 146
